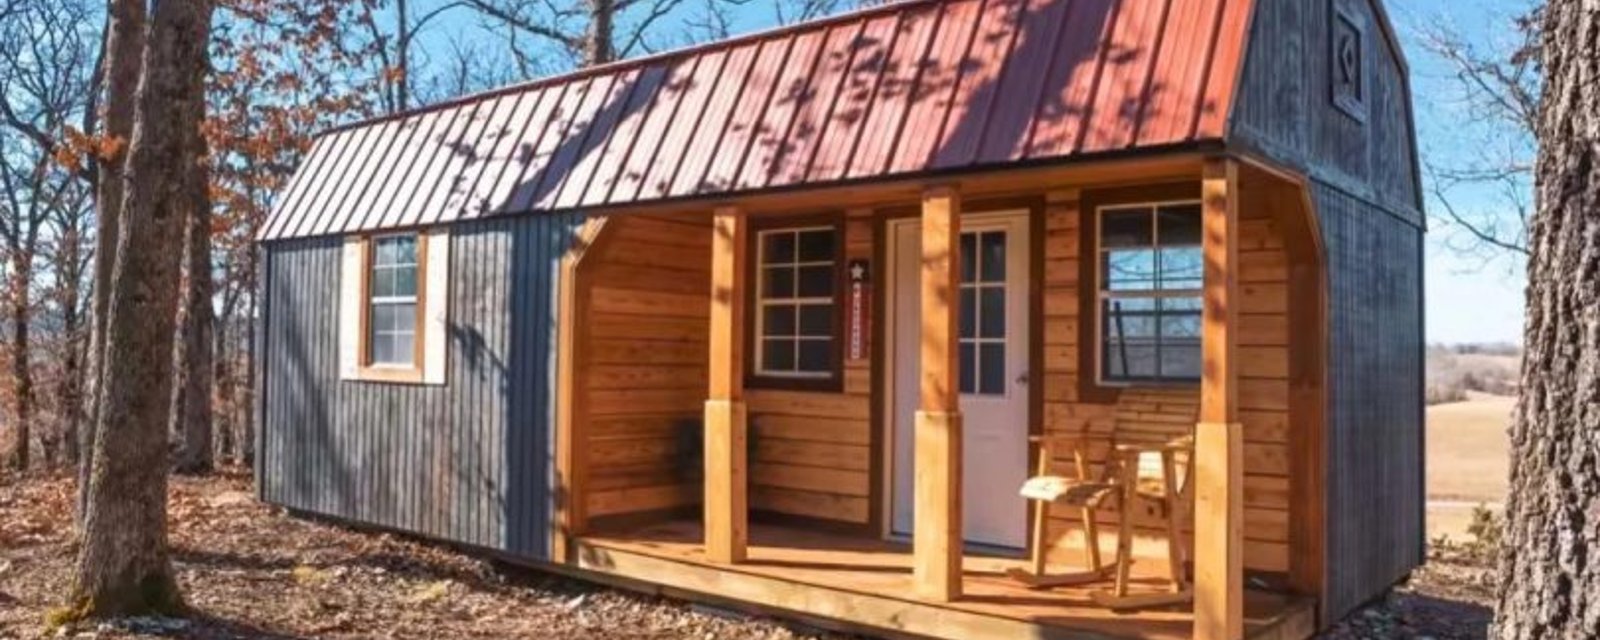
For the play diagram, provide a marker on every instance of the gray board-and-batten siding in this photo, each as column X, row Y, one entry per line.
column 468, row 461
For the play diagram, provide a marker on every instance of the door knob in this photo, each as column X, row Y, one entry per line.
column 1022, row 379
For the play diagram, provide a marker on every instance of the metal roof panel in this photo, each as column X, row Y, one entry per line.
column 895, row 90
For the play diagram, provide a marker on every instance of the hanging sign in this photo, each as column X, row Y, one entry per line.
column 860, row 310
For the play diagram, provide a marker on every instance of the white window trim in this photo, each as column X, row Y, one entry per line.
column 1101, row 296
column 433, row 316
column 762, row 302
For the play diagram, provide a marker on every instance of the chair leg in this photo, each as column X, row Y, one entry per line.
column 1041, row 520
column 1124, row 541
column 1091, row 539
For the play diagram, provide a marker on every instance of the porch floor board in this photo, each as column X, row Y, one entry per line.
column 866, row 582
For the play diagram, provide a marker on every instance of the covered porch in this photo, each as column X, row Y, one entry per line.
column 847, row 496
column 839, row 576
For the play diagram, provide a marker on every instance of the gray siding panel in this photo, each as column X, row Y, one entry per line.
column 1375, row 485
column 465, row 462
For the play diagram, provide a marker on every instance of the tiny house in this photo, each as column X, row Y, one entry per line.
column 774, row 322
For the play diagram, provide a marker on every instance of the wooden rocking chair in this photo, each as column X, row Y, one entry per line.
column 1148, row 458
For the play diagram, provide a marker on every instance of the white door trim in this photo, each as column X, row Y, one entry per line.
column 890, row 369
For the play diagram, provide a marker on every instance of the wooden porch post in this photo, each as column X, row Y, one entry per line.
column 726, row 504
column 1219, row 439
column 937, row 544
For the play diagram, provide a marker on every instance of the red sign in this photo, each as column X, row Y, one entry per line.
column 860, row 311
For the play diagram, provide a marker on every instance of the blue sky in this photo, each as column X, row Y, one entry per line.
column 1472, row 296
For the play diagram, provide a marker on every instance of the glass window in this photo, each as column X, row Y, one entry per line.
column 983, row 313
column 795, row 314
column 1151, row 271
column 392, row 315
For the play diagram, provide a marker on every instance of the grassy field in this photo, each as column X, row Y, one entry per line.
column 1467, row 460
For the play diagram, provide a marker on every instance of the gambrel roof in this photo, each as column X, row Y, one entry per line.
column 911, row 88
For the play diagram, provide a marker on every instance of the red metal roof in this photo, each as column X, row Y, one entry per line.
column 927, row 85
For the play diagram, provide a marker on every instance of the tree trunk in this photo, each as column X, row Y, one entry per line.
column 597, row 41
column 247, row 401
column 123, row 59
column 123, row 566
column 21, row 358
column 69, row 386
column 1550, row 580
column 191, row 389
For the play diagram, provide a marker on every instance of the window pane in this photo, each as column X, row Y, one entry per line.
column 405, row 281
column 777, row 282
column 1121, row 228
column 992, row 258
column 816, row 282
column 992, row 312
column 1129, row 317
column 1180, row 362
column 384, row 252
column 816, row 246
column 969, row 257
column 777, row 355
column 382, row 349
column 1130, row 360
column 1129, row 270
column 777, row 247
column 816, row 320
column 403, row 348
column 992, row 368
column 816, row 355
column 969, row 312
column 777, row 320
column 404, row 316
column 1181, row 268
column 382, row 318
column 382, row 282
column 1180, row 224
column 969, row 367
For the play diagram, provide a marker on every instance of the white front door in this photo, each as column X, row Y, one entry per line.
column 994, row 372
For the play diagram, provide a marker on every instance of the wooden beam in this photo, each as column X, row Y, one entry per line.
column 1219, row 438
column 726, row 426
column 572, row 464
column 937, row 442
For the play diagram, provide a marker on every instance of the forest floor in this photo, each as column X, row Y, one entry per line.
column 250, row 571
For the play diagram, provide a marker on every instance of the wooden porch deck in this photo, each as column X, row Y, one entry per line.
column 857, row 583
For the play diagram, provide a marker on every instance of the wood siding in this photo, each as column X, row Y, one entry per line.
column 465, row 462
column 1375, row 490
column 1264, row 392
column 642, row 350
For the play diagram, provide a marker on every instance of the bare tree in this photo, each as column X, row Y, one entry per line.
column 1483, row 184
column 586, row 32
column 47, row 56
column 123, row 564
column 192, row 355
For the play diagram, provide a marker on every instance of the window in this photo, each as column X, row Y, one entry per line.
column 394, row 292
column 1150, row 280
column 983, row 312
column 796, row 314
column 392, row 319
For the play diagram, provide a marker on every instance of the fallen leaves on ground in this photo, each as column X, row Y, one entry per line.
column 249, row 570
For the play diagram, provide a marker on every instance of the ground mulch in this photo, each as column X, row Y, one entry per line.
column 249, row 570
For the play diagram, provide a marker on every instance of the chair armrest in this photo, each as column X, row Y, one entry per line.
column 1180, row 445
column 1067, row 438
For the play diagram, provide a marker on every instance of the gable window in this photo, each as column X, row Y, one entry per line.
column 796, row 326
column 1149, row 291
column 392, row 306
